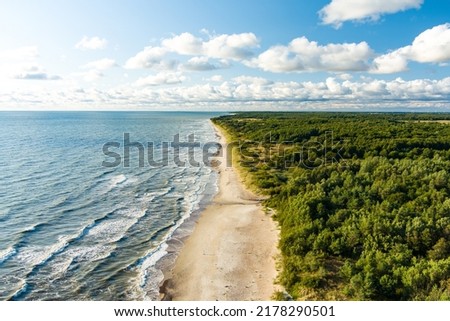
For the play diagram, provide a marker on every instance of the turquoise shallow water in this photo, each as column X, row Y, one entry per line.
column 72, row 229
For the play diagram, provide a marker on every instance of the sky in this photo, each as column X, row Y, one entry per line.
column 225, row 55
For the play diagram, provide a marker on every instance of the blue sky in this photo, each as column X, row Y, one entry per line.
column 225, row 55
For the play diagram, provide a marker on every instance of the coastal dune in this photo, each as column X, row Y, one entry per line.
column 231, row 253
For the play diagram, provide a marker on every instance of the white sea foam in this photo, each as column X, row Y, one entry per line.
column 109, row 185
column 147, row 267
column 112, row 230
column 150, row 196
column 21, row 287
column 107, row 233
column 98, row 209
column 153, row 257
column 150, row 291
column 7, row 253
column 89, row 253
column 116, row 180
column 149, row 275
column 60, row 267
column 33, row 255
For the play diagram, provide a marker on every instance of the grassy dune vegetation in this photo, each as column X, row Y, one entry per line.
column 363, row 200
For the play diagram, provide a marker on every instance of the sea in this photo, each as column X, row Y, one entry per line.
column 96, row 205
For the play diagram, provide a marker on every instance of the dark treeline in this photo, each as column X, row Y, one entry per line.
column 362, row 200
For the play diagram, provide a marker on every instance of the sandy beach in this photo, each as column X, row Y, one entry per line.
column 231, row 253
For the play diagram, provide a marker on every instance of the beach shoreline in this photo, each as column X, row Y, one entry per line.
column 231, row 253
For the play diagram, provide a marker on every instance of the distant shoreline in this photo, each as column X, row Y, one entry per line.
column 231, row 253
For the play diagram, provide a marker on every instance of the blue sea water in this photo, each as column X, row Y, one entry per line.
column 74, row 229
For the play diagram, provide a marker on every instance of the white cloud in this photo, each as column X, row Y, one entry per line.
column 245, row 89
column 37, row 76
column 150, row 57
column 245, row 93
column 20, row 54
column 34, row 72
column 91, row 75
column 184, row 44
column 199, row 64
column 431, row 46
column 390, row 63
column 223, row 47
column 204, row 64
column 213, row 52
column 91, row 43
column 304, row 55
column 252, row 81
column 339, row 11
column 96, row 69
column 234, row 46
column 21, row 63
column 101, row 64
column 300, row 55
column 345, row 76
column 162, row 78
column 216, row 78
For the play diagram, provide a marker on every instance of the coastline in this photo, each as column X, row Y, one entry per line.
column 231, row 253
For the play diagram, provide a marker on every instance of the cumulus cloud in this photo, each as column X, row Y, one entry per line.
column 390, row 63
column 234, row 46
column 91, row 43
column 246, row 89
column 101, row 64
column 339, row 11
column 249, row 92
column 300, row 55
column 252, row 81
column 37, row 76
column 22, row 63
column 204, row 64
column 20, row 54
column 216, row 78
column 95, row 69
column 223, row 47
column 91, row 75
column 431, row 46
column 345, row 76
column 162, row 78
column 184, row 44
column 150, row 57
column 34, row 72
column 304, row 55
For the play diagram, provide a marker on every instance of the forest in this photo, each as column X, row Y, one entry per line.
column 362, row 200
